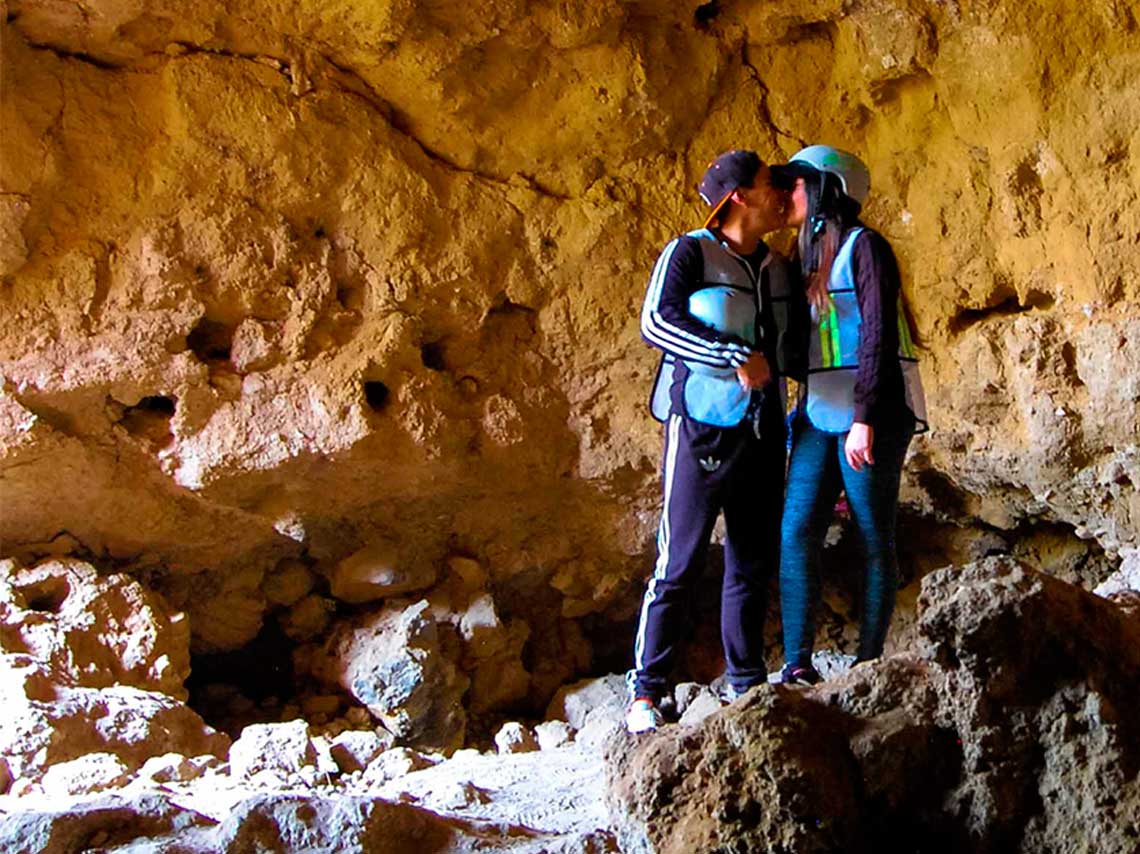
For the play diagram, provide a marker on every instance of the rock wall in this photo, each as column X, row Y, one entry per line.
column 286, row 283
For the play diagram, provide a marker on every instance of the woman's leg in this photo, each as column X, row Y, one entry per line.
column 873, row 495
column 813, row 485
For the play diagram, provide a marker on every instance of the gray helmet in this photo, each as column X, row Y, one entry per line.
column 849, row 169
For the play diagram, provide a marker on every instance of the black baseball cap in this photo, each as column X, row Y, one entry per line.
column 726, row 173
column 784, row 174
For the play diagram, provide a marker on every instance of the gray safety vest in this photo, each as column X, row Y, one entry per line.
column 729, row 303
column 832, row 352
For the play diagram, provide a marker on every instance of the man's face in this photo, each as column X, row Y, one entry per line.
column 764, row 205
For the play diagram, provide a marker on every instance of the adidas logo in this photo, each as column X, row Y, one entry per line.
column 710, row 464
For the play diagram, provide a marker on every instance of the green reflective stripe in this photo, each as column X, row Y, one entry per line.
column 906, row 344
column 904, row 339
column 824, row 344
column 833, row 328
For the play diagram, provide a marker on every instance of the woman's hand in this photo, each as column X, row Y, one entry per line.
column 857, row 449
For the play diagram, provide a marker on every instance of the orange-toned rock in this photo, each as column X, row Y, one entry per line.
column 378, row 572
column 93, row 630
column 46, row 723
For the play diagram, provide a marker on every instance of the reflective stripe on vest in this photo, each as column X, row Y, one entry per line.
column 833, row 352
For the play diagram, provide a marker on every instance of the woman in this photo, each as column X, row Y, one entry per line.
column 861, row 402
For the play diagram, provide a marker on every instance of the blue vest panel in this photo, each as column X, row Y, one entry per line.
column 729, row 305
column 833, row 352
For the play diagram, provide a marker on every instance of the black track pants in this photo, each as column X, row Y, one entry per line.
column 708, row 470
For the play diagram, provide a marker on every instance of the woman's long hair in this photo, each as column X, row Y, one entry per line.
column 830, row 212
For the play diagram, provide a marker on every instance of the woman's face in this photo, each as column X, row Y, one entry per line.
column 797, row 211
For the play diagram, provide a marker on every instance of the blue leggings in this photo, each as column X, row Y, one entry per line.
column 817, row 470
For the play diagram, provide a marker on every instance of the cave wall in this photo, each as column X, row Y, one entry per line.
column 287, row 282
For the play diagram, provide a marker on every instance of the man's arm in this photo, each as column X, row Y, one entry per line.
column 665, row 319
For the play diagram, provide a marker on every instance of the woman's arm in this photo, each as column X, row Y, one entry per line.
column 877, row 285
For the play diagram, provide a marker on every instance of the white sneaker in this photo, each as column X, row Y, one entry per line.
column 643, row 716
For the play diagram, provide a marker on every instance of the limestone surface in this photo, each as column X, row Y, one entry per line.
column 284, row 282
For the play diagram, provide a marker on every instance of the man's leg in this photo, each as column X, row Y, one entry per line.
column 687, row 519
column 873, row 495
column 813, row 486
column 753, row 503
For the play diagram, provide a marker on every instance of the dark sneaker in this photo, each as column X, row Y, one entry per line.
column 798, row 674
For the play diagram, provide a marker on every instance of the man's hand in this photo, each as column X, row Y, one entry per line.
column 754, row 373
column 857, row 449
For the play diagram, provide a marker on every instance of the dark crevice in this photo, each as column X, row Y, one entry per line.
column 512, row 319
column 968, row 317
column 78, row 56
column 224, row 686
column 149, row 420
column 157, row 404
column 809, row 32
column 432, row 356
column 376, row 395
column 945, row 494
column 762, row 106
column 46, row 595
column 705, row 14
column 1069, row 357
column 350, row 297
column 283, row 66
column 211, row 341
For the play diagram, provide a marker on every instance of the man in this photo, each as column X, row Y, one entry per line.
column 712, row 306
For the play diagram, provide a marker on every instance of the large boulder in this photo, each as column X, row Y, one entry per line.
column 1012, row 730
column 1041, row 687
column 282, row 748
column 396, row 662
column 91, row 677
column 92, row 772
column 594, row 707
column 772, row 775
column 93, row 630
column 118, row 821
column 45, row 723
